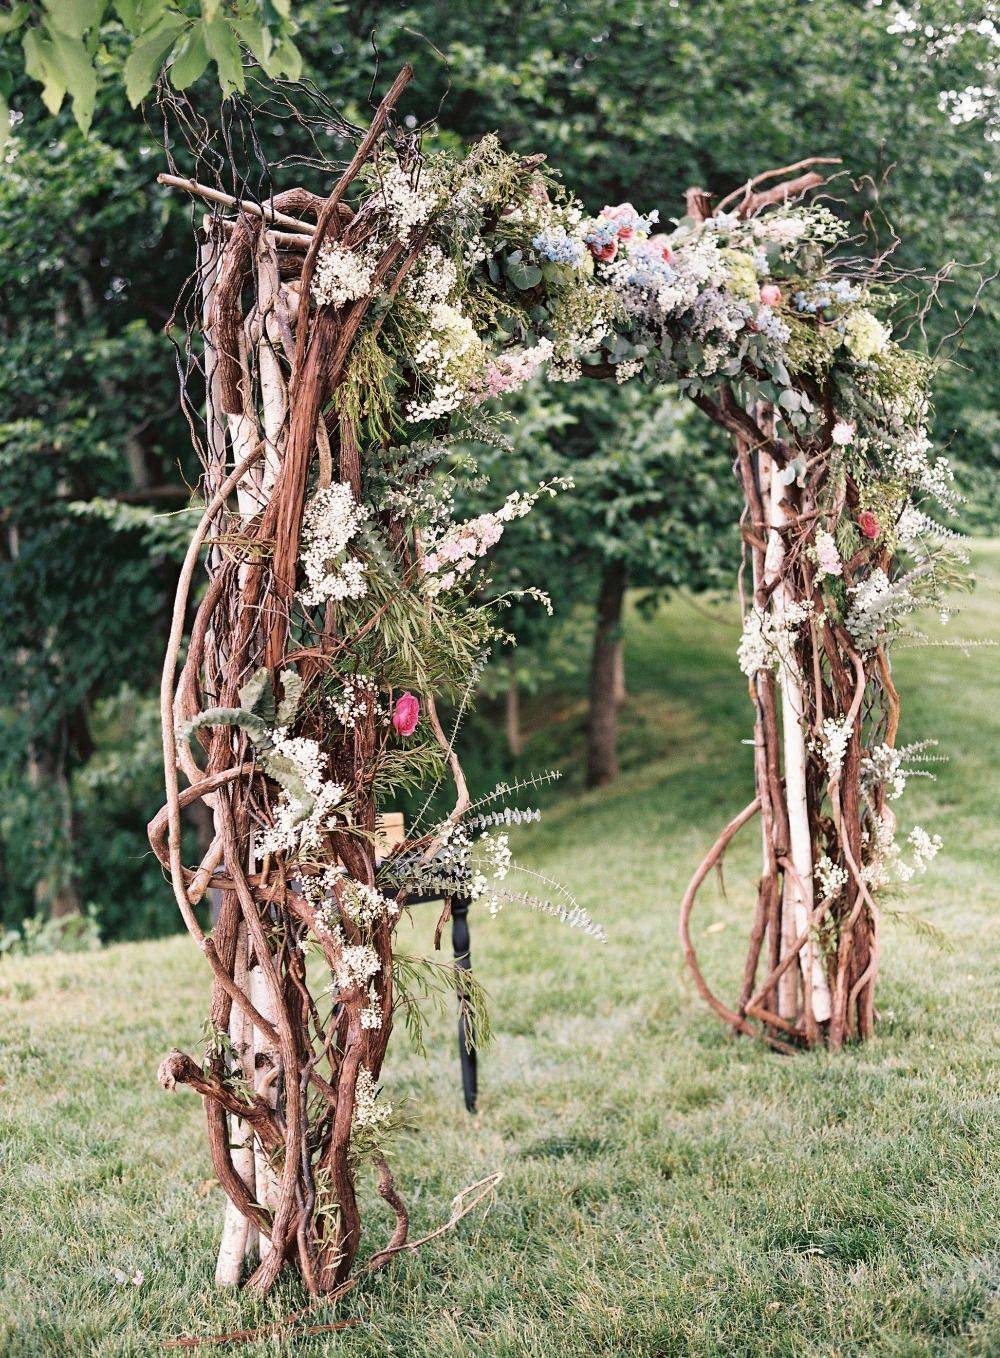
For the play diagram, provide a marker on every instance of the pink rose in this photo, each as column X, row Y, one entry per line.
column 770, row 295
column 623, row 216
column 406, row 714
column 868, row 524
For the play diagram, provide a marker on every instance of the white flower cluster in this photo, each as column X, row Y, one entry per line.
column 451, row 357
column 925, row 848
column 290, row 831
column 332, row 519
column 342, row 275
column 885, row 855
column 910, row 457
column 354, row 964
column 832, row 878
column 766, row 644
column 366, row 905
column 780, row 228
column 368, row 1112
column 890, row 766
column 492, row 853
column 408, row 199
column 357, row 699
column 832, row 744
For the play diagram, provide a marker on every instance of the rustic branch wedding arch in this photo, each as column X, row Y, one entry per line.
column 340, row 346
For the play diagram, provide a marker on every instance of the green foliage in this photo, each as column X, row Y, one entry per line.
column 638, row 100
column 66, row 933
column 255, row 718
column 73, row 47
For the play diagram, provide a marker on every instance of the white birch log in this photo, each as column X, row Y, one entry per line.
column 273, row 419
column 238, row 1232
column 797, row 887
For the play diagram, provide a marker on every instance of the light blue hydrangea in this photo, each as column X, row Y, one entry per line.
column 559, row 246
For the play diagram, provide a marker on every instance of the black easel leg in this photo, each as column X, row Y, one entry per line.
column 466, row 1029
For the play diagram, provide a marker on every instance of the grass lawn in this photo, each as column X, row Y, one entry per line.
column 668, row 1190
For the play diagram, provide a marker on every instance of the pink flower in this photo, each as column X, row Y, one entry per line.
column 770, row 295
column 406, row 714
column 868, row 524
column 624, row 217
column 604, row 252
column 659, row 245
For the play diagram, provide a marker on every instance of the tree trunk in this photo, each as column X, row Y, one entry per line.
column 621, row 693
column 605, row 679
column 56, row 894
column 512, row 711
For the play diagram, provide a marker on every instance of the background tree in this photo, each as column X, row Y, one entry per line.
column 640, row 94
column 653, row 508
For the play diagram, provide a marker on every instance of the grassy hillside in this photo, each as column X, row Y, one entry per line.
column 667, row 1190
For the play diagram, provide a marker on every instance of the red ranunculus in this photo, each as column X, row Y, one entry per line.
column 605, row 252
column 868, row 524
column 406, row 714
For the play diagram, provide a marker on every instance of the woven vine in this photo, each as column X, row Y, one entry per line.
column 339, row 343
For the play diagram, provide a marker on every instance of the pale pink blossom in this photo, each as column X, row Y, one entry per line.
column 770, row 294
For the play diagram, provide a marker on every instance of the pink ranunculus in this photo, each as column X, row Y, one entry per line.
column 770, row 295
column 868, row 524
column 659, row 245
column 406, row 714
column 623, row 216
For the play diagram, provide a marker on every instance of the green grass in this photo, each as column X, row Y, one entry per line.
column 668, row 1190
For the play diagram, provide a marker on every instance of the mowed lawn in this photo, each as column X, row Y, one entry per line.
column 667, row 1190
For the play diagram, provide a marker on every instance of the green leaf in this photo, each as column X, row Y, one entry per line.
column 292, row 684
column 4, row 123
column 14, row 18
column 524, row 276
column 256, row 695
column 224, row 49
column 789, row 400
column 79, row 75
column 40, row 64
column 284, row 60
column 190, row 59
column 146, row 57
column 74, row 17
column 140, row 15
